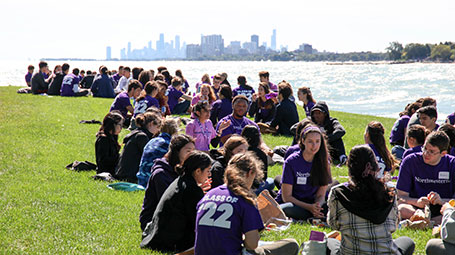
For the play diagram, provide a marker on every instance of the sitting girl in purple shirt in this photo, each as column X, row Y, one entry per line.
column 227, row 218
column 304, row 94
column 416, row 137
column 147, row 98
column 306, row 176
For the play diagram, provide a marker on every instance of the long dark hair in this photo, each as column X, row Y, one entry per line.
column 144, row 77
column 235, row 175
column 143, row 119
column 177, row 143
column 195, row 160
column 320, row 174
column 363, row 167
column 450, row 132
column 252, row 135
column 242, row 82
column 149, row 87
column 226, row 91
column 410, row 109
column 233, row 142
column 376, row 133
column 307, row 91
column 268, row 103
column 110, row 120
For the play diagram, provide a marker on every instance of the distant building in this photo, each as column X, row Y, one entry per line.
column 128, row 54
column 273, row 40
column 212, row 45
column 108, row 53
column 123, row 54
column 306, row 48
column 193, row 51
column 233, row 48
column 255, row 40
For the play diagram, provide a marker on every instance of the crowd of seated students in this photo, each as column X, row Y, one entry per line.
column 220, row 164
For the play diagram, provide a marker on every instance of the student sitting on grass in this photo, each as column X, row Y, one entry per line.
column 175, row 94
column 304, row 95
column 365, row 211
column 234, row 145
column 156, row 148
column 262, row 107
column 216, row 85
column 40, row 80
column 227, row 218
column 122, row 101
column 306, row 176
column 57, row 79
column 206, row 95
column 427, row 178
column 162, row 97
column 148, row 126
column 106, row 145
column 416, row 137
column 172, row 228
column 253, row 137
column 450, row 132
column 264, row 76
column 28, row 76
column 201, row 128
column 286, row 114
column 333, row 129
column 70, row 85
column 374, row 137
column 164, row 172
column 223, row 106
column 451, row 119
column 102, row 84
column 243, row 88
column 428, row 116
column 427, row 101
column 398, row 133
column 146, row 99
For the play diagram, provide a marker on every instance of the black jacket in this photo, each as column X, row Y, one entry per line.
column 217, row 169
column 173, row 225
column 333, row 128
column 286, row 115
column 107, row 153
column 39, row 85
column 56, row 84
column 128, row 164
column 87, row 81
column 162, row 176
column 258, row 113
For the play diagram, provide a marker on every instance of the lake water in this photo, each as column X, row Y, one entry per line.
column 376, row 89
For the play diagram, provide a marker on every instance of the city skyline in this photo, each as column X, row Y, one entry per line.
column 83, row 29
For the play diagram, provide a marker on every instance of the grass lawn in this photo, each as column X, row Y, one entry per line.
column 48, row 209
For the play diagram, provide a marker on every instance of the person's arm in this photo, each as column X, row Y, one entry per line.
column 435, row 199
column 277, row 118
column 338, row 131
column 253, row 108
column 130, row 109
column 94, row 88
column 187, row 97
column 418, row 202
column 251, row 239
column 286, row 193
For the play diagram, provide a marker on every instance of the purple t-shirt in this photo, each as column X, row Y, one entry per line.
column 381, row 163
column 116, row 77
column 68, row 83
column 273, row 87
column 241, row 90
column 222, row 108
column 222, row 218
column 202, row 133
column 296, row 171
column 236, row 126
column 418, row 178
column 397, row 134
column 452, row 151
column 216, row 91
column 28, row 77
column 120, row 103
column 173, row 97
column 451, row 118
column 292, row 149
column 143, row 105
column 308, row 108
column 410, row 151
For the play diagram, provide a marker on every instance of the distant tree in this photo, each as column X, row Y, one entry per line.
column 441, row 52
column 395, row 50
column 416, row 51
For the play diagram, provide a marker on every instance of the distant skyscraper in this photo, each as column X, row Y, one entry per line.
column 212, row 45
column 255, row 40
column 177, row 42
column 123, row 54
column 273, row 40
column 108, row 53
column 128, row 54
column 150, row 45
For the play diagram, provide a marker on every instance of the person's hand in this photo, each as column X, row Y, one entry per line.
column 434, row 198
column 444, row 207
column 223, row 125
column 316, row 210
column 422, row 202
column 206, row 185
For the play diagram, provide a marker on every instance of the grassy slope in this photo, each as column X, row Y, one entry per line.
column 48, row 209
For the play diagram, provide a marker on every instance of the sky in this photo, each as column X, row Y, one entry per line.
column 83, row 29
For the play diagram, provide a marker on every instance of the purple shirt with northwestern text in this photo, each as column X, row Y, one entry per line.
column 419, row 179
column 222, row 218
column 120, row 103
column 173, row 97
column 296, row 172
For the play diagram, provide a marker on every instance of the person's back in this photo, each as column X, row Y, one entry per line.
column 102, row 87
column 87, row 81
column 56, row 84
column 38, row 84
column 286, row 115
column 69, row 81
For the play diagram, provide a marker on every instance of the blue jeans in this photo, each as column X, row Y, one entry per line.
column 398, row 151
column 268, row 184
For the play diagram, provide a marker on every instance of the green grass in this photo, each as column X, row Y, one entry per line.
column 48, row 209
